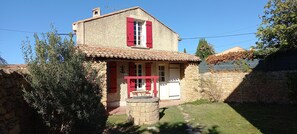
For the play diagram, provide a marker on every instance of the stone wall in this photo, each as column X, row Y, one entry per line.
column 15, row 114
column 256, row 86
column 190, row 82
column 101, row 68
column 143, row 111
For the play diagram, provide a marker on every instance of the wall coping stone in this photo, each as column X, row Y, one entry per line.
column 143, row 100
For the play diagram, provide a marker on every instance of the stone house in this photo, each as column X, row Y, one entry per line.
column 135, row 55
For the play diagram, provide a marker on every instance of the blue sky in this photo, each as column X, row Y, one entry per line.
column 189, row 18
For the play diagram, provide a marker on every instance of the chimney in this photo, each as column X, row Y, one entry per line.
column 96, row 12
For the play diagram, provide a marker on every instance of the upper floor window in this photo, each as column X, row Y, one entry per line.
column 139, row 33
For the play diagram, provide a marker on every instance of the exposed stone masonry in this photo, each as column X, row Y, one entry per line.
column 15, row 114
column 256, row 86
column 190, row 83
column 101, row 68
column 143, row 111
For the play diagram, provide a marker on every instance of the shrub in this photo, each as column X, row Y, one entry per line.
column 64, row 89
column 210, row 90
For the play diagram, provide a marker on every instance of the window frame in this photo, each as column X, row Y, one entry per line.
column 139, row 35
column 162, row 78
column 137, row 82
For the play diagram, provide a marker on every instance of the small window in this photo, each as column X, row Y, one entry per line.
column 139, row 33
column 162, row 73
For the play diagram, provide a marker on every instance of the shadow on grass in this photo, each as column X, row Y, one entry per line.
column 160, row 128
column 269, row 118
column 213, row 130
column 162, row 112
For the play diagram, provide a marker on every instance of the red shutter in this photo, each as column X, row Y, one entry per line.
column 113, row 77
column 149, row 34
column 130, row 31
column 148, row 72
column 132, row 73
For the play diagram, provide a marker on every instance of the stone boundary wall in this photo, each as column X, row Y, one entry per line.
column 15, row 114
column 256, row 86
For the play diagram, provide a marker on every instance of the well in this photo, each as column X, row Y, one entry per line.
column 143, row 110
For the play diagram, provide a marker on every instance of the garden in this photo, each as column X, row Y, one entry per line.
column 215, row 118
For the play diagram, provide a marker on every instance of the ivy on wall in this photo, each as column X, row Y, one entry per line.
column 232, row 56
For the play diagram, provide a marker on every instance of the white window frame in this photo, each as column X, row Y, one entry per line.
column 142, row 42
column 160, row 77
column 137, row 74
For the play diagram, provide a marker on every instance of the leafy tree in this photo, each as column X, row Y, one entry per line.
column 204, row 49
column 63, row 87
column 185, row 51
column 2, row 61
column 279, row 26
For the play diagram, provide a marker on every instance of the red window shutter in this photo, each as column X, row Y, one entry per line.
column 148, row 72
column 149, row 34
column 113, row 77
column 130, row 31
column 132, row 73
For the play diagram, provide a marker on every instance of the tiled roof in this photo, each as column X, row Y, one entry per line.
column 135, row 54
column 18, row 68
column 234, row 49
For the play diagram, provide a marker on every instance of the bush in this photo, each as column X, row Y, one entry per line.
column 64, row 89
column 210, row 90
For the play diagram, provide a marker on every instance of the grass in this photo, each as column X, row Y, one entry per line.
column 171, row 121
column 221, row 118
column 198, row 102
column 271, row 119
column 117, row 119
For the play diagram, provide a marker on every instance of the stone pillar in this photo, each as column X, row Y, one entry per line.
column 143, row 111
column 101, row 68
column 190, row 83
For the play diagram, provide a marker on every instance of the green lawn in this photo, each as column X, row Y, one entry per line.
column 218, row 118
column 171, row 121
column 221, row 117
column 270, row 119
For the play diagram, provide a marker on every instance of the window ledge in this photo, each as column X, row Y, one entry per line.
column 138, row 47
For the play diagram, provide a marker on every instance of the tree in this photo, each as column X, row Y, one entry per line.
column 2, row 61
column 204, row 49
column 63, row 87
column 185, row 51
column 279, row 26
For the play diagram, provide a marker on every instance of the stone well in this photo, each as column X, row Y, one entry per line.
column 143, row 110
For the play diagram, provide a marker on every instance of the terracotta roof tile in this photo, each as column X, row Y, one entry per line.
column 136, row 54
column 18, row 68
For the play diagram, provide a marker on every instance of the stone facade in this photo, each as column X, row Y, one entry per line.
column 143, row 111
column 190, row 82
column 15, row 114
column 256, row 86
column 101, row 68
